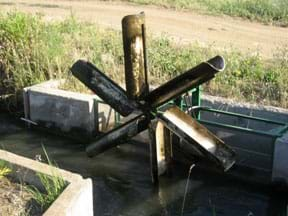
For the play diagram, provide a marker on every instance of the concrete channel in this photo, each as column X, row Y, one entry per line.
column 121, row 177
column 86, row 116
column 77, row 197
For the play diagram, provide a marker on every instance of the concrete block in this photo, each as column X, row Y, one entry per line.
column 62, row 109
column 69, row 112
column 77, row 197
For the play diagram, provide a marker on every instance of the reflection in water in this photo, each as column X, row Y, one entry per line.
column 186, row 188
column 122, row 186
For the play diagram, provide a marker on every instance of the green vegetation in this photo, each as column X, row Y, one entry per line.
column 4, row 169
column 33, row 50
column 53, row 185
column 267, row 11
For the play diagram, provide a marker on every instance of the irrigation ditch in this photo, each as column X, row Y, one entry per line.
column 142, row 142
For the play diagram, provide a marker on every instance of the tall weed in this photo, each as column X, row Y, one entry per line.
column 32, row 51
column 53, row 186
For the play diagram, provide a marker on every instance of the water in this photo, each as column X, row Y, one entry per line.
column 186, row 188
column 121, row 179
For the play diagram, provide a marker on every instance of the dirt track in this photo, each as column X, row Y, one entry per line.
column 222, row 32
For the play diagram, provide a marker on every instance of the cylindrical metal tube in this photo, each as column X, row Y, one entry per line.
column 104, row 87
column 163, row 147
column 118, row 135
column 200, row 141
column 184, row 82
column 153, row 154
column 136, row 77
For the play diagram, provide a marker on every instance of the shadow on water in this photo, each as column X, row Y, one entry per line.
column 121, row 179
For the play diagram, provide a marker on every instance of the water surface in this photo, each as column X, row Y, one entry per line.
column 122, row 185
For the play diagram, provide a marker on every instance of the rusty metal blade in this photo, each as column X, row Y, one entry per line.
column 186, row 81
column 104, row 87
column 136, row 75
column 118, row 135
column 204, row 142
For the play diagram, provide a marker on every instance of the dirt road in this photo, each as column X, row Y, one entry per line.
column 222, row 32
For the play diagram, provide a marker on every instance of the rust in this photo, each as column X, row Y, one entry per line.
column 133, row 31
column 205, row 143
column 186, row 81
column 104, row 87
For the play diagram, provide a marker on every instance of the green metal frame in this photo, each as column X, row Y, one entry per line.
column 282, row 127
column 196, row 102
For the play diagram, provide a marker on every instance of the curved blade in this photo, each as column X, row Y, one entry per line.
column 104, row 87
column 118, row 135
column 204, row 143
column 186, row 81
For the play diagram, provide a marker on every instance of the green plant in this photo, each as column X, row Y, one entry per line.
column 267, row 11
column 51, row 48
column 4, row 169
column 53, row 186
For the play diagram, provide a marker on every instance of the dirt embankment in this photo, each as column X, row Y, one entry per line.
column 222, row 32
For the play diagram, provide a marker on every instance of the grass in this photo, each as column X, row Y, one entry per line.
column 4, row 169
column 13, row 199
column 267, row 11
column 53, row 185
column 33, row 51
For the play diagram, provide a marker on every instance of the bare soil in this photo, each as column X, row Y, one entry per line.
column 15, row 200
column 221, row 31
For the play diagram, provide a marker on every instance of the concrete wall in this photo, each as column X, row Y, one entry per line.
column 62, row 109
column 280, row 164
column 75, row 200
column 268, row 112
column 70, row 112
column 265, row 153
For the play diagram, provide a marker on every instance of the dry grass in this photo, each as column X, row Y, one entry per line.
column 266, row 11
column 33, row 51
column 14, row 198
